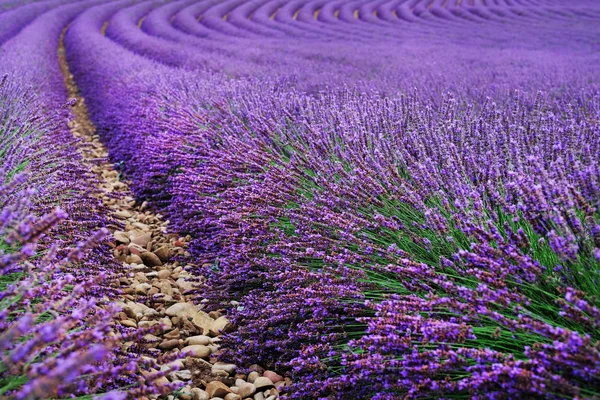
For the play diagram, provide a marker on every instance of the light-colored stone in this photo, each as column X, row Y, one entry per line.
column 121, row 237
column 245, row 389
column 232, row 396
column 139, row 237
column 217, row 389
column 259, row 396
column 129, row 323
column 273, row 376
column 200, row 339
column 263, row 383
column 184, row 374
column 203, row 321
column 164, row 274
column 197, row 351
column 123, row 214
column 182, row 310
column 229, row 368
column 142, row 288
column 199, row 394
column 184, row 284
column 174, row 334
column 134, row 259
column 219, row 325
column 136, row 249
column 252, row 376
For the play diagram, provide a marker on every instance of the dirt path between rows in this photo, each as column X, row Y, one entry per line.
column 154, row 291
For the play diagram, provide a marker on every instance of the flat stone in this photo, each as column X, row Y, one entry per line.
column 219, row 325
column 150, row 259
column 139, row 237
column 185, row 284
column 200, row 339
column 174, row 334
column 184, row 374
column 273, row 376
column 164, row 274
column 217, row 389
column 259, row 396
column 245, row 389
column 163, row 252
column 229, row 368
column 203, row 321
column 233, row 396
column 129, row 323
column 199, row 394
column 121, row 237
column 123, row 214
column 252, row 376
column 263, row 383
column 136, row 249
column 182, row 310
column 197, row 351
column 169, row 344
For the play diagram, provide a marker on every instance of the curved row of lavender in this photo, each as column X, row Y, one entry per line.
column 402, row 195
column 57, row 333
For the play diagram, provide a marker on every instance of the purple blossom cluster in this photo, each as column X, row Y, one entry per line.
column 401, row 196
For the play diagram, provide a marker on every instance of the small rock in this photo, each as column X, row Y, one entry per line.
column 232, row 396
column 245, row 389
column 217, row 389
column 252, row 376
column 136, row 249
column 229, row 368
column 129, row 323
column 203, row 321
column 174, row 334
column 123, row 214
column 163, row 252
column 121, row 237
column 273, row 376
column 182, row 310
column 165, row 288
column 263, row 383
column 133, row 259
column 198, row 351
column 139, row 237
column 184, row 374
column 259, row 396
column 200, row 339
column 142, row 288
column 164, row 274
column 185, row 284
column 199, row 394
column 141, row 226
column 219, row 325
column 169, row 344
column 150, row 259
column 148, row 323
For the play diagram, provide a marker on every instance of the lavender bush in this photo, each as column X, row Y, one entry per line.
column 401, row 196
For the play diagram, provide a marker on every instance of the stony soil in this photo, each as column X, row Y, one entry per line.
column 155, row 290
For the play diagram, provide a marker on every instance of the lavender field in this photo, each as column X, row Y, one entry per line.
column 299, row 199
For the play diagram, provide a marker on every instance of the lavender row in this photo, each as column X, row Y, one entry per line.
column 383, row 238
column 57, row 334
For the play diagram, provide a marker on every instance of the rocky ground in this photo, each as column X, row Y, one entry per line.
column 155, row 291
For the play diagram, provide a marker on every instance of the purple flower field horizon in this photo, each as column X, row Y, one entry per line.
column 302, row 199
